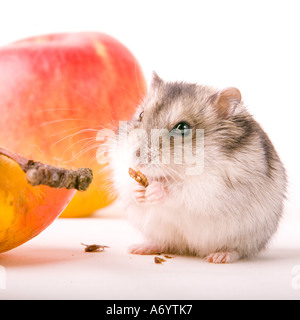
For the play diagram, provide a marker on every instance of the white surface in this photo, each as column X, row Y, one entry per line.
column 55, row 266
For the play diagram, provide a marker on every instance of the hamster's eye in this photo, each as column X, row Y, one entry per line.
column 141, row 116
column 182, row 128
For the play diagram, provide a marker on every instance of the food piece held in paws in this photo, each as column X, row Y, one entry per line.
column 138, row 176
column 94, row 247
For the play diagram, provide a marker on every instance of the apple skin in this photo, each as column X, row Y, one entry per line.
column 56, row 92
column 25, row 211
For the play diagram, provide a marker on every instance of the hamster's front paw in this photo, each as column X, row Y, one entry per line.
column 139, row 194
column 222, row 257
column 155, row 193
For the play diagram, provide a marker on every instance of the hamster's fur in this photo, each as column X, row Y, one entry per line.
column 229, row 211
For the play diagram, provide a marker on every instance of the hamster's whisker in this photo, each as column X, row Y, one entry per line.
column 88, row 149
column 78, row 129
column 71, row 136
column 56, row 110
column 90, row 139
column 60, row 120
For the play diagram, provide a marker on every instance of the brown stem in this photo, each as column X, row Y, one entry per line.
column 38, row 173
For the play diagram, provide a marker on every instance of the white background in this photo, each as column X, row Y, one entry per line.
column 253, row 45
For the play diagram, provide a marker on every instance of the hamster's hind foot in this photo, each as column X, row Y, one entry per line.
column 222, row 257
column 144, row 249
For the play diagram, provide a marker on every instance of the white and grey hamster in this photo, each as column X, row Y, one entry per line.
column 226, row 212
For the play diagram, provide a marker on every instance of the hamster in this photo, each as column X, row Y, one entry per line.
column 227, row 209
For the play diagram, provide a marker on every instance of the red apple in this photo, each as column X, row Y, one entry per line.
column 56, row 92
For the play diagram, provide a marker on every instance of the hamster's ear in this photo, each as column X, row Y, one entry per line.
column 156, row 80
column 226, row 101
